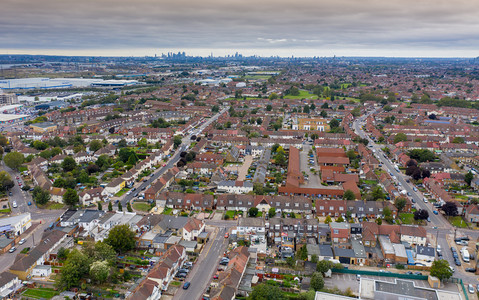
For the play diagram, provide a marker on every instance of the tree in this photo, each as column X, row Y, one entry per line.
column 95, row 145
column 314, row 259
column 468, row 178
column 303, row 253
column 324, row 266
column 458, row 140
column 400, row 203
column 14, row 160
column 74, row 268
column 40, row 196
column 110, row 206
column 253, row 212
column 71, row 197
column 121, row 238
column 120, row 207
column 421, row 155
column 272, row 212
column 6, row 181
column 69, row 164
column 450, row 208
column 351, row 154
column 379, row 221
column 266, row 292
column 323, row 114
column 340, row 219
column 400, row 137
column 177, row 141
column 377, row 193
column 440, row 269
column 122, row 143
column 306, row 109
column 421, row 214
column 62, row 253
column 128, row 207
column 317, row 281
column 334, row 123
column 349, row 195
column 99, row 271
column 341, row 107
column 328, row 220
column 99, row 206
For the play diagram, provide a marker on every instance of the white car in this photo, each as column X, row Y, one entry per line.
column 14, row 204
column 22, row 241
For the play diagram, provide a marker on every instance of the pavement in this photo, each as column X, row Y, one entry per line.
column 205, row 267
column 314, row 181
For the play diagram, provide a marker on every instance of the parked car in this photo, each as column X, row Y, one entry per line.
column 472, row 270
column 29, row 203
column 188, row 264
column 186, row 285
column 458, row 262
column 409, row 273
column 470, row 288
column 417, row 273
column 358, row 277
column 14, row 204
column 183, row 271
column 22, row 241
column 435, row 212
column 12, row 249
column 180, row 275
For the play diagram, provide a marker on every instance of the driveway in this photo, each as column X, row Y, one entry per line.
column 314, row 180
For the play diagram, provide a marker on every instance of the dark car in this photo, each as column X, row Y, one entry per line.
column 180, row 275
column 472, row 270
column 417, row 273
column 458, row 262
column 186, row 285
column 409, row 272
column 29, row 203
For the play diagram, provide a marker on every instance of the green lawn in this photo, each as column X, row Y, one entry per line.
column 167, row 211
column 52, row 205
column 457, row 221
column 122, row 192
column 22, row 169
column 141, row 206
column 230, row 213
column 39, row 293
column 407, row 218
column 302, row 95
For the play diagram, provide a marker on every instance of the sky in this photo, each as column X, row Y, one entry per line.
column 406, row 28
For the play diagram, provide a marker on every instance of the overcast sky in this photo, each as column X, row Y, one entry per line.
column 264, row 27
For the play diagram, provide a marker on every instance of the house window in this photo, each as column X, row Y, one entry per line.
column 188, row 201
column 249, row 203
column 331, row 208
column 306, row 205
column 321, row 208
column 231, row 202
column 336, row 231
column 287, row 204
column 296, row 204
column 361, row 208
column 341, row 208
column 240, row 203
column 371, row 209
column 277, row 203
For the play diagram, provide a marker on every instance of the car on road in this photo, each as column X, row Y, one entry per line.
column 413, row 201
column 186, row 285
column 14, row 204
column 435, row 212
column 12, row 249
column 22, row 241
column 470, row 288
column 29, row 203
column 227, row 235
column 429, row 219
column 425, row 200
column 10, row 193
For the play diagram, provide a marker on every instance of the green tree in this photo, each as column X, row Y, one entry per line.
column 303, row 253
column 356, row 112
column 6, row 181
column 468, row 178
column 40, row 196
column 69, row 164
column 99, row 271
column 317, row 281
column 349, row 195
column 340, row 219
column 215, row 108
column 177, row 141
column 74, row 268
column 269, row 107
column 13, row 160
column 272, row 212
column 400, row 137
column 400, row 203
column 62, row 253
column 323, row 114
column 273, row 96
column 440, row 269
column 71, row 197
column 266, row 292
column 121, row 238
column 328, row 220
column 421, row 155
column 334, row 123
column 128, row 207
column 253, row 212
column 306, row 109
column 280, row 159
column 324, row 266
column 458, row 140
column 95, row 145
column 99, row 206
column 143, row 143
column 110, row 206
column 377, row 193
column 351, row 154
column 314, row 259
column 120, row 207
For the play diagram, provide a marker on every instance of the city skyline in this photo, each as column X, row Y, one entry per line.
column 429, row 28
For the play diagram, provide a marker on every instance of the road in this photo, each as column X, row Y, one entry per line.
column 186, row 141
column 203, row 271
column 438, row 227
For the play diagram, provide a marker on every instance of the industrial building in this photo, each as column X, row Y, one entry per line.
column 7, row 99
column 56, row 83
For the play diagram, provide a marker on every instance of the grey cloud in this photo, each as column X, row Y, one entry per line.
column 345, row 24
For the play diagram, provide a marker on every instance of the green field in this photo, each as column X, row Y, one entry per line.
column 167, row 211
column 122, row 192
column 406, row 218
column 230, row 213
column 457, row 221
column 142, row 206
column 302, row 95
column 40, row 293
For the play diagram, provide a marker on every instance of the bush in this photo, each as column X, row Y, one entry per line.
column 400, row 267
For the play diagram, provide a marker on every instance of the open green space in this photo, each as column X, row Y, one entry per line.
column 457, row 221
column 407, row 218
column 40, row 293
column 302, row 95
column 142, row 206
column 167, row 211
column 122, row 192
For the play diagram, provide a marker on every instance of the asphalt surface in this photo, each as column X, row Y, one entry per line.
column 439, row 226
column 203, row 271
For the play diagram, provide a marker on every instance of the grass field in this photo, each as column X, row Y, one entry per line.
column 406, row 218
column 167, row 211
column 457, row 221
column 122, row 192
column 302, row 95
column 230, row 213
column 52, row 205
column 142, row 206
column 40, row 293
